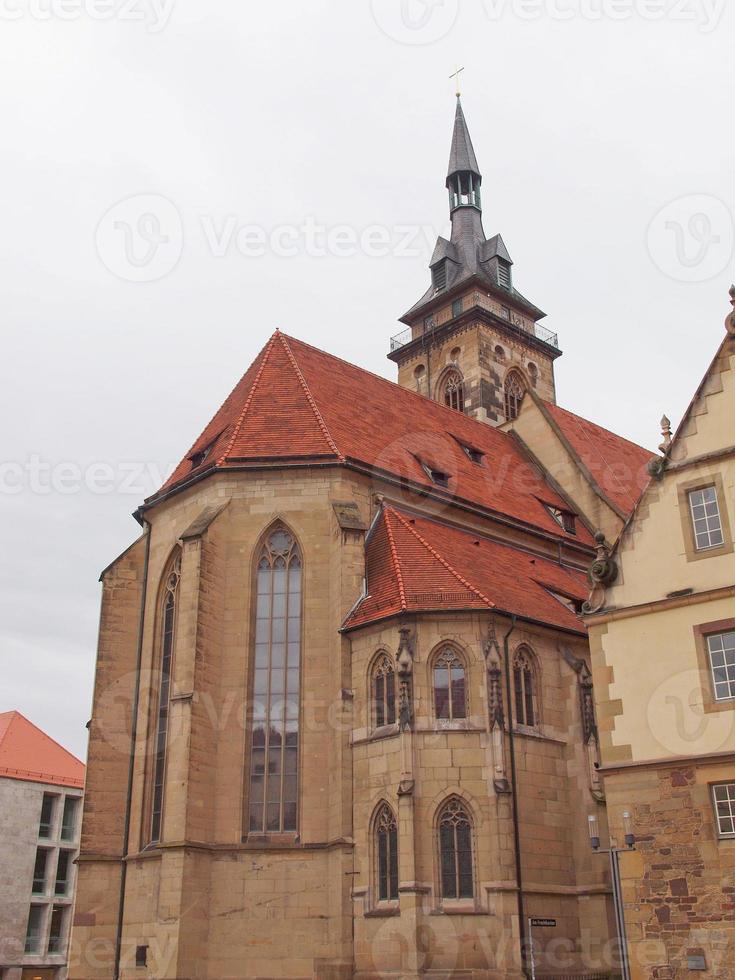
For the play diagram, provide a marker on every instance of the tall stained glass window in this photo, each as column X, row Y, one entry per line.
column 386, row 841
column 384, row 692
column 274, row 753
column 450, row 698
column 455, row 851
column 168, row 628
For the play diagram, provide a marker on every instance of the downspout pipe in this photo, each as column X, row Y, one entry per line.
column 131, row 762
column 514, row 787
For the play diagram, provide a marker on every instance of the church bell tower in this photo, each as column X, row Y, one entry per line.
column 473, row 341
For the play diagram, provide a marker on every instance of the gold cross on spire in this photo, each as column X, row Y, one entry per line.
column 456, row 75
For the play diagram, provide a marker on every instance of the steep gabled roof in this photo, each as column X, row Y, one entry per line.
column 416, row 564
column 618, row 466
column 298, row 404
column 269, row 415
column 29, row 754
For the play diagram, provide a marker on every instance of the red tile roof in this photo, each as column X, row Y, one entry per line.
column 618, row 466
column 417, row 564
column 297, row 403
column 29, row 754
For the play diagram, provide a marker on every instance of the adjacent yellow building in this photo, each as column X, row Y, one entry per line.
column 662, row 635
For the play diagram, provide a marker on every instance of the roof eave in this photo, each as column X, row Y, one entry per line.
column 467, row 610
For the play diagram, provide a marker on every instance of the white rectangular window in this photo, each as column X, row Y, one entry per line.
column 721, row 647
column 706, row 518
column 723, row 799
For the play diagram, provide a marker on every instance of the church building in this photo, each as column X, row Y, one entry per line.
column 343, row 720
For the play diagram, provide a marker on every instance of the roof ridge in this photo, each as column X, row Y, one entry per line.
column 443, row 561
column 599, row 450
column 394, row 556
column 310, row 398
column 12, row 714
column 248, row 400
column 211, row 442
column 17, row 714
column 394, row 384
column 616, row 435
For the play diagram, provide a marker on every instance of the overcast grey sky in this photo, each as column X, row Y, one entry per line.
column 313, row 122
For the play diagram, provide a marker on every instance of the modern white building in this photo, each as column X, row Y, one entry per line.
column 41, row 787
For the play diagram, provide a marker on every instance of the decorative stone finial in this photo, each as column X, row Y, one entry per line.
column 491, row 647
column 666, row 433
column 730, row 321
column 404, row 654
column 404, row 662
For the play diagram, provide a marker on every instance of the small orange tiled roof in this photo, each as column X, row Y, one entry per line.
column 416, row 564
column 297, row 403
column 618, row 466
column 29, row 754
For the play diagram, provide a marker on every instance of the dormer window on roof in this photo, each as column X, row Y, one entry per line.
column 570, row 602
column 474, row 455
column 438, row 477
column 199, row 457
column 564, row 518
column 505, row 276
column 439, row 276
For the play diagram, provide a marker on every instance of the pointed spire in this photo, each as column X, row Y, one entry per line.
column 666, row 433
column 462, row 158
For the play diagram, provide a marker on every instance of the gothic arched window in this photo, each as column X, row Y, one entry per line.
column 454, row 391
column 167, row 634
column 514, row 392
column 276, row 687
column 523, row 687
column 386, row 854
column 383, row 691
column 450, row 688
column 455, row 851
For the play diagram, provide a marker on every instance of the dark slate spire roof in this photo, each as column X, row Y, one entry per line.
column 469, row 253
column 462, row 157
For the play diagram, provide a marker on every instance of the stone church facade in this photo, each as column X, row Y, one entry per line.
column 343, row 719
